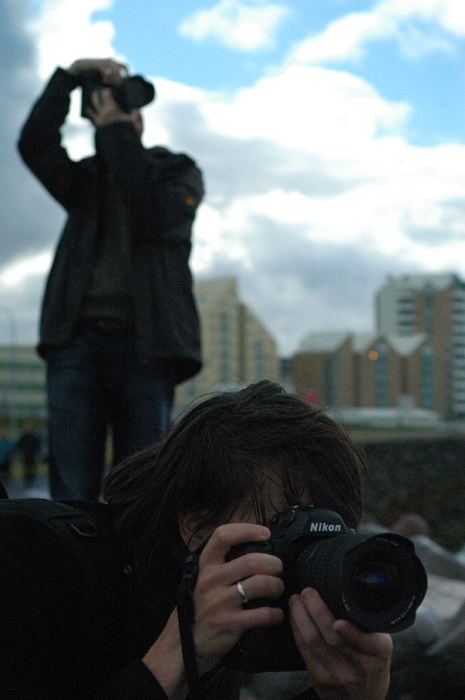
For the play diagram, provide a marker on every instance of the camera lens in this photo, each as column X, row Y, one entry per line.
column 376, row 581
column 375, row 584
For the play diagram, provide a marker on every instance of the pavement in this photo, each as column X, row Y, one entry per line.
column 16, row 488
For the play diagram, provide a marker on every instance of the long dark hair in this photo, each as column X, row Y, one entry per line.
column 218, row 457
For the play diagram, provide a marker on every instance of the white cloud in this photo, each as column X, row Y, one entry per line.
column 419, row 26
column 309, row 108
column 18, row 272
column 65, row 31
column 236, row 24
column 343, row 39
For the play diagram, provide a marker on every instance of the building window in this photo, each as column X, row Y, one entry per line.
column 331, row 380
column 259, row 359
column 427, row 384
column 225, row 346
column 429, row 310
column 381, row 377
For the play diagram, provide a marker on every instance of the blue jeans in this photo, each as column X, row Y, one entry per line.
column 94, row 382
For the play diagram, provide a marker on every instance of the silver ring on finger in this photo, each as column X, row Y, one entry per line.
column 241, row 592
column 108, row 70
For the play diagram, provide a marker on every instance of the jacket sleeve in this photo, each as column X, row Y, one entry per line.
column 135, row 681
column 162, row 193
column 40, row 141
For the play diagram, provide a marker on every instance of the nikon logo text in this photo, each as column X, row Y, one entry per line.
column 324, row 527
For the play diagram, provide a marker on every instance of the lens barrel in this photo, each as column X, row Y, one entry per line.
column 134, row 92
column 375, row 581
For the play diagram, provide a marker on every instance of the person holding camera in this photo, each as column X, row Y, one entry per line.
column 119, row 325
column 97, row 600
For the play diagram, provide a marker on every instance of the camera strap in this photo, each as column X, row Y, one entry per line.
column 186, row 618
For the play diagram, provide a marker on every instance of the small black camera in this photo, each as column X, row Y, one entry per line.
column 375, row 581
column 133, row 92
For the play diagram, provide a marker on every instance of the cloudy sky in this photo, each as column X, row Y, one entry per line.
column 331, row 134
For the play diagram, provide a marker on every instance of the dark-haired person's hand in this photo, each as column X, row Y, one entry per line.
column 106, row 110
column 343, row 662
column 220, row 618
column 112, row 71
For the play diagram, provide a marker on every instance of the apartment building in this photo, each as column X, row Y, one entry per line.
column 22, row 384
column 322, row 369
column 433, row 305
column 237, row 349
column 347, row 370
column 415, row 358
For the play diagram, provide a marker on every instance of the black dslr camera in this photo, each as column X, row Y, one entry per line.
column 375, row 581
column 133, row 92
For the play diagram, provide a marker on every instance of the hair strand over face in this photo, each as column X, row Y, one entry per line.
column 220, row 455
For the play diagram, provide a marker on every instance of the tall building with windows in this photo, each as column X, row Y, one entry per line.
column 433, row 305
column 22, row 385
column 237, row 349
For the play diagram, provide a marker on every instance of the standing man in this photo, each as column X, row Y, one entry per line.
column 119, row 326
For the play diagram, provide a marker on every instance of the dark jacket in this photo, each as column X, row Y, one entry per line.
column 161, row 191
column 73, row 625
column 76, row 619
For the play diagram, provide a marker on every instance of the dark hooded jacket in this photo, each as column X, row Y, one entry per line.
column 161, row 192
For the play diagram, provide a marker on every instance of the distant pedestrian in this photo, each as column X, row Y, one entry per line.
column 411, row 524
column 28, row 448
column 6, row 453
